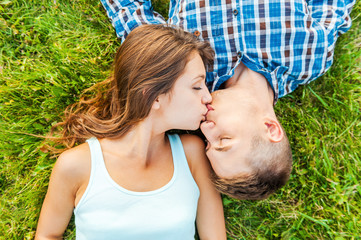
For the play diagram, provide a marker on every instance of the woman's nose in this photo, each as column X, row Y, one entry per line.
column 207, row 97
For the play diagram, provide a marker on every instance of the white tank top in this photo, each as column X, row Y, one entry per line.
column 109, row 211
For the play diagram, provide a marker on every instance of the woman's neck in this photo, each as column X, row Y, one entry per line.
column 142, row 143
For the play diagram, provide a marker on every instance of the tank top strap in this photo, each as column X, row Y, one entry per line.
column 95, row 151
column 96, row 163
column 176, row 146
column 179, row 157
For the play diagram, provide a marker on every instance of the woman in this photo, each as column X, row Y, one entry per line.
column 131, row 180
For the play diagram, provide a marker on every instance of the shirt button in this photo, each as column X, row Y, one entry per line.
column 196, row 33
column 235, row 12
column 239, row 54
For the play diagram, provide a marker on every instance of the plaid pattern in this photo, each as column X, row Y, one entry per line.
column 290, row 42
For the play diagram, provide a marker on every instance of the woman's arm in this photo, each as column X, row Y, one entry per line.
column 67, row 177
column 210, row 217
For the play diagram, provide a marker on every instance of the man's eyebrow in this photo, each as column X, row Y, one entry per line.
column 223, row 149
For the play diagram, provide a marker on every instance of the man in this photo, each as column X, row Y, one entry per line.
column 264, row 49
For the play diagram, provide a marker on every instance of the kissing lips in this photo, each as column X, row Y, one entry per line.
column 209, row 107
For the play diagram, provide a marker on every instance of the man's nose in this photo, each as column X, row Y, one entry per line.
column 208, row 130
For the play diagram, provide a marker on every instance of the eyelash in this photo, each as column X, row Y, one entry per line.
column 197, row 88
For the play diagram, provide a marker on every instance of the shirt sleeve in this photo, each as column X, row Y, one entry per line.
column 301, row 48
column 334, row 16
column 322, row 23
column 126, row 15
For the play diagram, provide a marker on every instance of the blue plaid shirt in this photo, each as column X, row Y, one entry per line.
column 290, row 42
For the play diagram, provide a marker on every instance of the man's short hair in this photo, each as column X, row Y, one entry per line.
column 270, row 164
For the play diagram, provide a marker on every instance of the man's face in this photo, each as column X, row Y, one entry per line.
column 229, row 129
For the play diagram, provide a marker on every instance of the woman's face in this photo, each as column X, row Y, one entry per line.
column 184, row 107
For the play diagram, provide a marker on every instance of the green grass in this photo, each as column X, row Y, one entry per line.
column 51, row 50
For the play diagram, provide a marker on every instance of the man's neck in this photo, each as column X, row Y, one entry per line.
column 251, row 82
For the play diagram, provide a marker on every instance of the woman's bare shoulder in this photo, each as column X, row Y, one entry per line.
column 192, row 143
column 74, row 164
column 194, row 149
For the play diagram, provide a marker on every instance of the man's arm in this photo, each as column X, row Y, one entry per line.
column 126, row 15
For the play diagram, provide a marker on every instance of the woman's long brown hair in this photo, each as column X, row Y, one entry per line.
column 146, row 65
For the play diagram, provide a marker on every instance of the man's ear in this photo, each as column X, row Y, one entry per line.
column 274, row 130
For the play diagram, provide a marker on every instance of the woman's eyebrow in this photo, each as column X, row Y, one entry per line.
column 200, row 76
